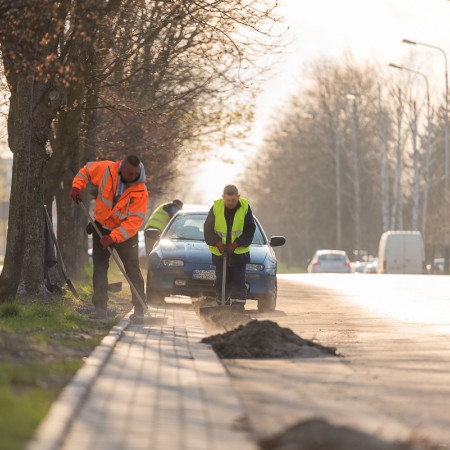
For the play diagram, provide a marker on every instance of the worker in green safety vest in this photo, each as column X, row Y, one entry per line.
column 230, row 228
column 159, row 218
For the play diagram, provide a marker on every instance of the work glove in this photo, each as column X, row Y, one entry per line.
column 232, row 247
column 106, row 241
column 221, row 246
column 75, row 195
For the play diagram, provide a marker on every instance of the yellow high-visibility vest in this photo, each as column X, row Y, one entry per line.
column 159, row 218
column 220, row 225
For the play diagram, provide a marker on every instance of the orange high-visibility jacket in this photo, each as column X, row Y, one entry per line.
column 127, row 215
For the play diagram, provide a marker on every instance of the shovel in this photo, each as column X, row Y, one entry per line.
column 61, row 265
column 217, row 311
column 116, row 258
column 112, row 287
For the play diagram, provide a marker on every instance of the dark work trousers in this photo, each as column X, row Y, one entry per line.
column 235, row 287
column 129, row 254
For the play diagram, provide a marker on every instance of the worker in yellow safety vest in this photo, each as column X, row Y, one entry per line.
column 160, row 218
column 230, row 228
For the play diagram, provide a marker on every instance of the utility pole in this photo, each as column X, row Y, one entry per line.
column 446, row 157
column 384, row 176
column 337, row 150
column 356, row 177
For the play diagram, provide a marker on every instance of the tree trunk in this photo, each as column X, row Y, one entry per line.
column 416, row 172
column 72, row 237
column 426, row 177
column 46, row 103
column 71, row 221
column 397, row 186
column 384, row 174
column 19, row 135
column 356, row 181
column 338, row 188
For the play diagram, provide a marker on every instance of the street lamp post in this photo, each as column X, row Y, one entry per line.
column 427, row 83
column 356, row 176
column 447, row 154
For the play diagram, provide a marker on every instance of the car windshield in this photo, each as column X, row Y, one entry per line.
column 332, row 257
column 190, row 227
column 187, row 227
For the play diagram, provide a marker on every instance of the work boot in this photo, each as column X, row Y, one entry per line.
column 98, row 313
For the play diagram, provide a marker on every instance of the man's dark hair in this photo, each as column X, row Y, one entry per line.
column 230, row 189
column 179, row 203
column 133, row 160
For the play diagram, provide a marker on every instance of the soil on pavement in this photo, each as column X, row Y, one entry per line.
column 265, row 339
column 316, row 434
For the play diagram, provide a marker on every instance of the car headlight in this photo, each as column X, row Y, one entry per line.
column 172, row 262
column 255, row 267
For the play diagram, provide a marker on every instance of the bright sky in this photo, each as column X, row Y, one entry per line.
column 370, row 29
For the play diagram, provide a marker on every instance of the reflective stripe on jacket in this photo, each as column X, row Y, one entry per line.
column 221, row 228
column 159, row 218
column 125, row 218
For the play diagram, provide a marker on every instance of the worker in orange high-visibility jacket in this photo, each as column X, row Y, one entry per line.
column 119, row 212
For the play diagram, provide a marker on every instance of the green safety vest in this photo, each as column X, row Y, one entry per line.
column 220, row 225
column 159, row 218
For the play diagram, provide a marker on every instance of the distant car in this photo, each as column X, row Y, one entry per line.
column 438, row 268
column 180, row 263
column 329, row 261
column 401, row 252
column 360, row 266
column 371, row 267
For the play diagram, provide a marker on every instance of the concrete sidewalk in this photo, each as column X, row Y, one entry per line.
column 159, row 389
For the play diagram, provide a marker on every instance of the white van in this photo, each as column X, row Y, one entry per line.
column 401, row 252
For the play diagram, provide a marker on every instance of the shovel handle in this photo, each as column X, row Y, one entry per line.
column 224, row 277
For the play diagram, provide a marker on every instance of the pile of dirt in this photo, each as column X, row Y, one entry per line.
column 317, row 434
column 265, row 339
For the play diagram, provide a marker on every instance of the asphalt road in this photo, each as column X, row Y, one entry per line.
column 393, row 381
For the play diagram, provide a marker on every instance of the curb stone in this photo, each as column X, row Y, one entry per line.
column 51, row 432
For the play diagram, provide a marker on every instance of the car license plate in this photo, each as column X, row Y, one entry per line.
column 204, row 274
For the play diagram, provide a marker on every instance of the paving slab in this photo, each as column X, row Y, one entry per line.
column 159, row 388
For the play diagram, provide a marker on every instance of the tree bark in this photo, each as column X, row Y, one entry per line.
column 416, row 172
column 71, row 221
column 384, row 170
column 47, row 101
column 72, row 237
column 396, row 216
column 356, row 180
column 19, row 135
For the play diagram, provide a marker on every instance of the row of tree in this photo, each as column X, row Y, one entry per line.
column 103, row 78
column 353, row 154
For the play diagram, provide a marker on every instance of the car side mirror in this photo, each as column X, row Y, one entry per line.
column 277, row 241
column 152, row 233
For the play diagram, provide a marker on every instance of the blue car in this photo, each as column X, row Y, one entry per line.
column 180, row 262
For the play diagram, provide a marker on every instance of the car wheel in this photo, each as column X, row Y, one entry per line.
column 268, row 303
